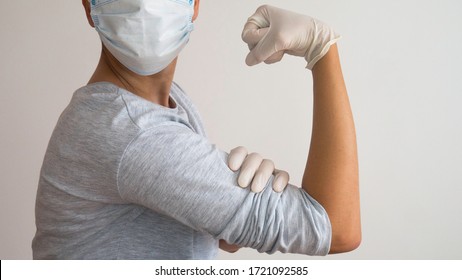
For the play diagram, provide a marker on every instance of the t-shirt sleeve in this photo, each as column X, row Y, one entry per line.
column 178, row 173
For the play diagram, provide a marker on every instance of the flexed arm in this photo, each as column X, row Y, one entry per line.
column 331, row 171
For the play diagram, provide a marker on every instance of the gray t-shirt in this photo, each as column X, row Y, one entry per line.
column 124, row 178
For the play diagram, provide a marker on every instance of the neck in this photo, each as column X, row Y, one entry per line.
column 154, row 88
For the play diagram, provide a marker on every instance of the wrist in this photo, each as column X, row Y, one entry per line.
column 324, row 38
column 328, row 61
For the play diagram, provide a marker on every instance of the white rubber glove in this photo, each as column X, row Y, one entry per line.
column 255, row 169
column 271, row 32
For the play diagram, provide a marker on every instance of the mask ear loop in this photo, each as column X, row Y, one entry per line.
column 191, row 3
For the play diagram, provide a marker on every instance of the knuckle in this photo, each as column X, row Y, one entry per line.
column 256, row 156
column 239, row 150
column 237, row 153
column 263, row 8
column 246, row 35
column 269, row 163
column 244, row 149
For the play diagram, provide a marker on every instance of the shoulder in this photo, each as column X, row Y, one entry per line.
column 181, row 97
column 185, row 102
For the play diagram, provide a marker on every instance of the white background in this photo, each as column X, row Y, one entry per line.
column 402, row 63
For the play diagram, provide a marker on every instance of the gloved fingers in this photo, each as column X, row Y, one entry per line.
column 262, row 51
column 255, row 31
column 253, row 34
column 259, row 20
column 236, row 158
column 253, row 37
column 295, row 34
column 281, row 179
column 256, row 37
column 257, row 170
column 262, row 175
column 275, row 57
column 250, row 166
column 261, row 17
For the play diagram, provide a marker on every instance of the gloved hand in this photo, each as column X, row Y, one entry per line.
column 271, row 32
column 255, row 169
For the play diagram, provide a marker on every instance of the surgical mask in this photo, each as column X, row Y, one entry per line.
column 144, row 35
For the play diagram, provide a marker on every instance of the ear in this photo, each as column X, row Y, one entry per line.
column 196, row 9
column 87, row 7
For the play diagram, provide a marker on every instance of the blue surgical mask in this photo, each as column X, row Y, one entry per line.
column 144, row 35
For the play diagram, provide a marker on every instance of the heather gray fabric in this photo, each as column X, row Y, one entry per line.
column 124, row 178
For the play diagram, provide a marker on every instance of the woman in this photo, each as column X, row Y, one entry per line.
column 130, row 174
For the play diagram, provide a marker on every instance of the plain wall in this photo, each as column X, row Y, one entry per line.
column 402, row 64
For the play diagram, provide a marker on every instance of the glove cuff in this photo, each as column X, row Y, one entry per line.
column 324, row 38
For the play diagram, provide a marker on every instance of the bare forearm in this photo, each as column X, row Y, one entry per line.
column 331, row 173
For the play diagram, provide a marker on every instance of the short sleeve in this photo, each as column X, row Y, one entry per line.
column 176, row 172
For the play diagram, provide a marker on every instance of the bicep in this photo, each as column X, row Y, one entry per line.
column 180, row 174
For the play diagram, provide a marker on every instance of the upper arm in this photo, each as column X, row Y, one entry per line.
column 177, row 172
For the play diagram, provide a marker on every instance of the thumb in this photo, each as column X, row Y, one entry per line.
column 275, row 57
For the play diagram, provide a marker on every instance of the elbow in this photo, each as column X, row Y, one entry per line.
column 344, row 243
column 230, row 248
